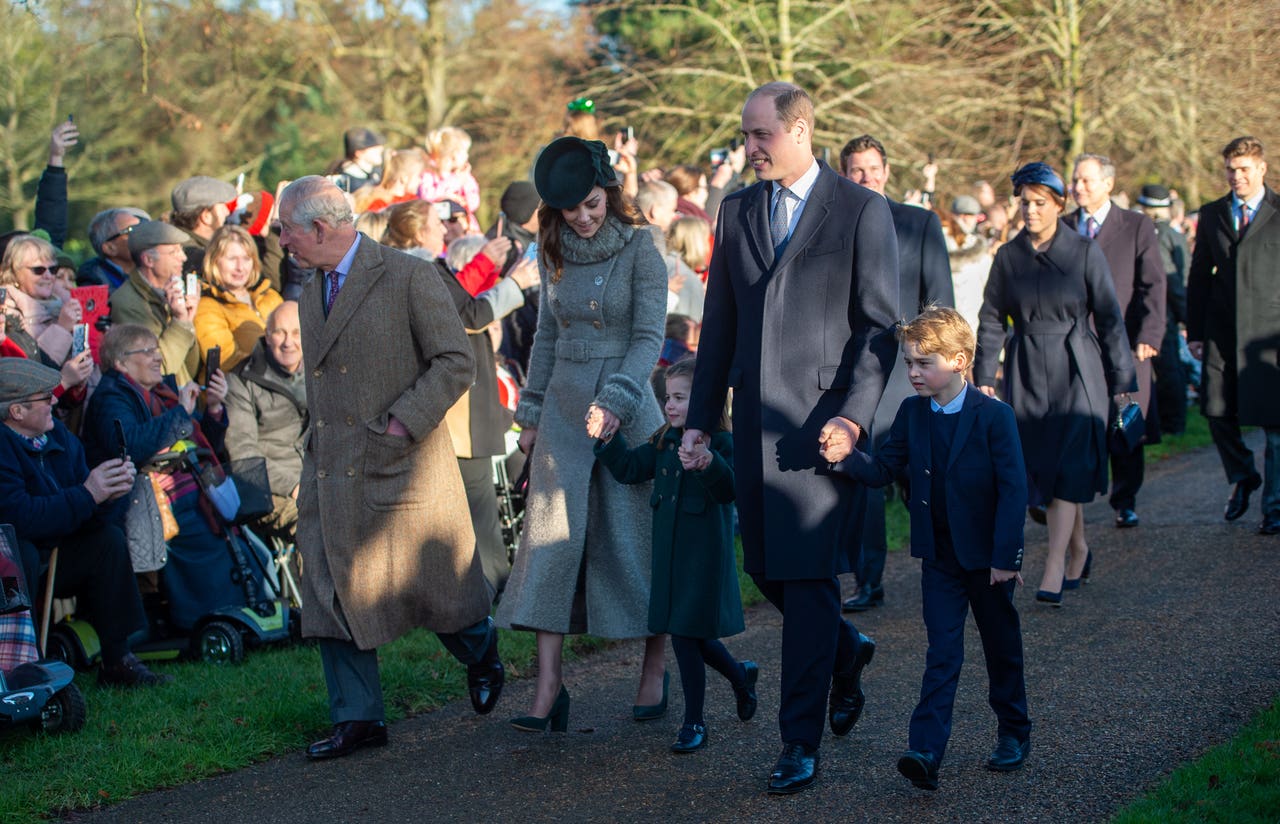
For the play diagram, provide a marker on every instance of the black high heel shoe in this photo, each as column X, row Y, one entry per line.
column 652, row 712
column 558, row 718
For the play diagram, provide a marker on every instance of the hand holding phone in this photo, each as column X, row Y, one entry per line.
column 79, row 339
column 193, row 285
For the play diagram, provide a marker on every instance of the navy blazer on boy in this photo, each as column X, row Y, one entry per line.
column 986, row 480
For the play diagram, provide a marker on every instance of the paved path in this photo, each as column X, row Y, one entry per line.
column 1167, row 653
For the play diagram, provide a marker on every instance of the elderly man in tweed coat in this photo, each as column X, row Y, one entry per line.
column 381, row 507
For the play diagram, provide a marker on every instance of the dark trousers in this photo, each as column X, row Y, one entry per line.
column 949, row 592
column 1127, row 472
column 1171, row 384
column 875, row 543
column 482, row 500
column 351, row 673
column 94, row 568
column 1237, row 459
column 816, row 642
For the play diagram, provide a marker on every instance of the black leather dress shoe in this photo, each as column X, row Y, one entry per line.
column 484, row 685
column 1238, row 503
column 1126, row 518
column 867, row 598
column 920, row 768
column 847, row 699
column 796, row 770
column 1009, row 755
column 1270, row 525
column 348, row 737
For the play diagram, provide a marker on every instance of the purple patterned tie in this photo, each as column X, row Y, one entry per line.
column 332, row 294
column 1092, row 227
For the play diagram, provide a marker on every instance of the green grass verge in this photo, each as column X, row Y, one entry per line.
column 214, row 719
column 1234, row 783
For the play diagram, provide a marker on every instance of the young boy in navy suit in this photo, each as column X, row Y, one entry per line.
column 961, row 452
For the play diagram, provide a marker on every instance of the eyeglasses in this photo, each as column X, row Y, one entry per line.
column 582, row 104
column 149, row 351
column 42, row 270
column 125, row 232
column 48, row 397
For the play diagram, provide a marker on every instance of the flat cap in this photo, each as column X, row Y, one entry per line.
column 966, row 205
column 520, row 201
column 201, row 192
column 21, row 378
column 150, row 233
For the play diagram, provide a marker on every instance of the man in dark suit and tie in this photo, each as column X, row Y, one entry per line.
column 802, row 295
column 1233, row 325
column 924, row 278
column 1131, row 246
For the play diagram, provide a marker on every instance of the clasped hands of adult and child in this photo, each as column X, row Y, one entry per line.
column 836, row 441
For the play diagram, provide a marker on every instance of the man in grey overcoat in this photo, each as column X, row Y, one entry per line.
column 802, row 296
column 1233, row 325
column 382, row 514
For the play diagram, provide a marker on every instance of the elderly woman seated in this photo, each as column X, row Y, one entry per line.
column 155, row 415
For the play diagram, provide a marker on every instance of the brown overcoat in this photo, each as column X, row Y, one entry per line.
column 382, row 520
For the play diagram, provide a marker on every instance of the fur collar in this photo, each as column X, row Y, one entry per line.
column 612, row 235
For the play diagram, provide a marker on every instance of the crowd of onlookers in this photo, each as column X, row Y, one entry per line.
column 184, row 327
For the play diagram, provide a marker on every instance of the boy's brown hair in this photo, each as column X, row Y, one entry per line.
column 939, row 330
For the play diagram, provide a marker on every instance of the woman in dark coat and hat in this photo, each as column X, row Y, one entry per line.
column 1066, row 357
column 583, row 564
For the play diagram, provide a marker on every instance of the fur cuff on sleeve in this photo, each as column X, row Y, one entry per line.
column 622, row 396
column 529, row 410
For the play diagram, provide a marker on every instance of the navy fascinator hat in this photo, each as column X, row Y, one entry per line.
column 569, row 168
column 1041, row 173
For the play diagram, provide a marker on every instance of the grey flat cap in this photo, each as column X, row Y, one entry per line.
column 150, row 233
column 21, row 378
column 201, row 192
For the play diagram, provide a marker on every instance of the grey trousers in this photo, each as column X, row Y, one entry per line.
column 351, row 673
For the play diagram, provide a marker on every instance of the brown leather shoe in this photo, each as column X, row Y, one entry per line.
column 348, row 737
column 130, row 672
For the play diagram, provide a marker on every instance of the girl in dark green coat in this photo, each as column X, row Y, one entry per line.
column 694, row 595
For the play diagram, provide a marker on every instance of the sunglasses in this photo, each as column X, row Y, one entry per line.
column 582, row 104
column 125, row 232
column 41, row 270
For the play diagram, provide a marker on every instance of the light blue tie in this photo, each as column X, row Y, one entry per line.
column 781, row 217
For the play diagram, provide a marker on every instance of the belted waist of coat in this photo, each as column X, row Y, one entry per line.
column 1046, row 327
column 582, row 351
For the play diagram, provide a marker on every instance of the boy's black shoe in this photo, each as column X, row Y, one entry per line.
column 1009, row 755
column 1238, row 503
column 920, row 768
column 745, row 696
column 691, row 738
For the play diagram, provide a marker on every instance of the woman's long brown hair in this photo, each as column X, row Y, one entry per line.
column 550, row 221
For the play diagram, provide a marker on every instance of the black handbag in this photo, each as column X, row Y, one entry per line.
column 1126, row 430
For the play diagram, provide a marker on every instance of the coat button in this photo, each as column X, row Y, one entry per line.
column 926, row 503
column 322, row 474
column 317, row 373
column 342, row 370
column 351, row 473
column 664, row 470
column 351, row 421
column 320, row 424
column 927, row 472
column 597, row 324
column 565, row 324
column 593, row 305
column 555, row 302
column 599, row 280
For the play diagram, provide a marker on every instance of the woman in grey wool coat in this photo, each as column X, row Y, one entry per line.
column 583, row 564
